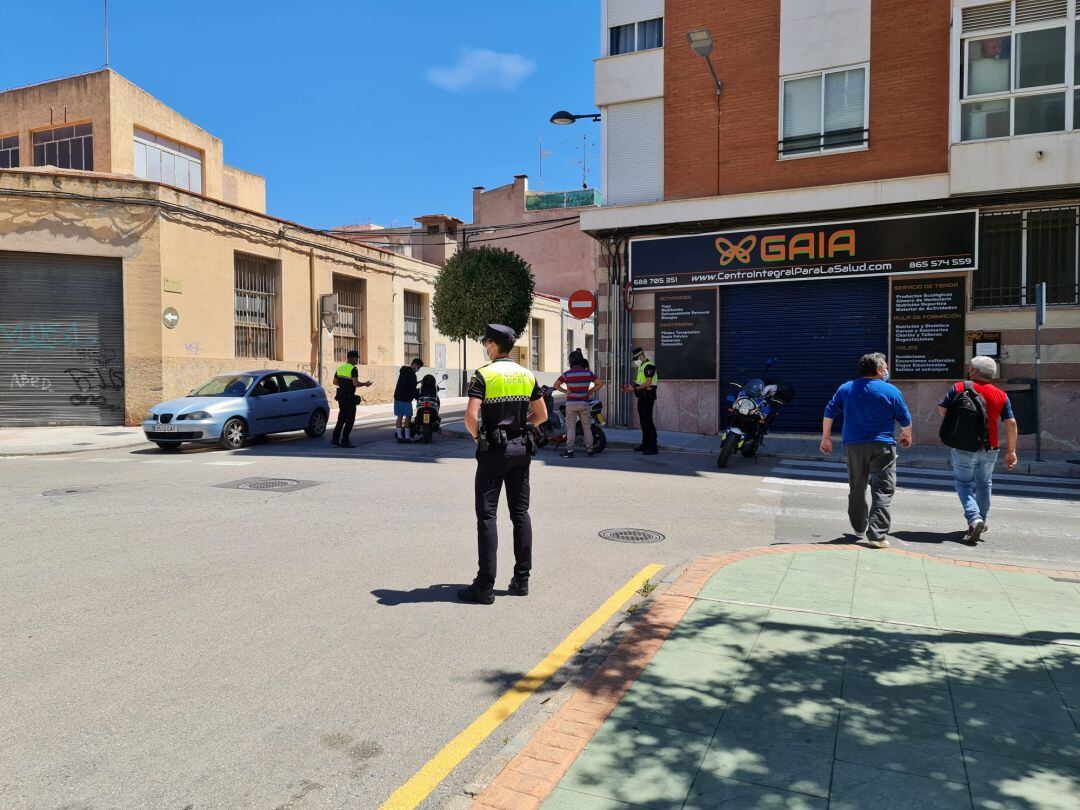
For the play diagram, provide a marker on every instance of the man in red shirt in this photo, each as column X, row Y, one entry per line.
column 580, row 386
column 973, row 471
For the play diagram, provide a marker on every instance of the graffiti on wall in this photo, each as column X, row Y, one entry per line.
column 37, row 335
column 26, row 380
column 96, row 378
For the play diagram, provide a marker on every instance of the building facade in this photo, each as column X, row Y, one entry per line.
column 850, row 176
column 118, row 291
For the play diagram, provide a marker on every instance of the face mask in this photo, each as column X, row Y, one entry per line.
column 885, row 377
column 636, row 363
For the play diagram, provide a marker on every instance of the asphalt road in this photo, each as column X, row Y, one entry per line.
column 172, row 643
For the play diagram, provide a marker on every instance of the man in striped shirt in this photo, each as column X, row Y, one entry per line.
column 580, row 386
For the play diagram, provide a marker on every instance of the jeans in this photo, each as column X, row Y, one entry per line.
column 873, row 464
column 973, row 476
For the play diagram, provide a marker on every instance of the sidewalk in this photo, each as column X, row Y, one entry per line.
column 36, row 441
column 825, row 676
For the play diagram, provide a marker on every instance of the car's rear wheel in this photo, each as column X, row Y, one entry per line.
column 316, row 424
column 168, row 445
column 234, row 434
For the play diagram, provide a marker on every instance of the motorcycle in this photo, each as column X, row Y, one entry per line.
column 426, row 419
column 751, row 413
column 554, row 429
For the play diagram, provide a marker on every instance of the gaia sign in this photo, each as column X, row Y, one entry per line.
column 869, row 247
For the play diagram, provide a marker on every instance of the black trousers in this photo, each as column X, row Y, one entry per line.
column 345, row 419
column 645, row 404
column 493, row 469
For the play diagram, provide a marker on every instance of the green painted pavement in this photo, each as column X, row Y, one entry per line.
column 850, row 679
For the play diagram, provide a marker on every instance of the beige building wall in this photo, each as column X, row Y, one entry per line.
column 115, row 107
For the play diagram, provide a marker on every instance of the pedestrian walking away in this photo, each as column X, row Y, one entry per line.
column 871, row 407
column 580, row 386
column 404, row 394
column 971, row 411
column 347, row 380
column 646, row 380
column 504, row 403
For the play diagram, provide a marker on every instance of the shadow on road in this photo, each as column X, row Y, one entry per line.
column 433, row 593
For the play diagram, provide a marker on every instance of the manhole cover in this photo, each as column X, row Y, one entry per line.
column 632, row 535
column 268, row 484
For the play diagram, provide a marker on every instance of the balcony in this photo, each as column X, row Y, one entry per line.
column 1016, row 163
column 629, row 77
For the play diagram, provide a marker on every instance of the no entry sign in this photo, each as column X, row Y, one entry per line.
column 582, row 304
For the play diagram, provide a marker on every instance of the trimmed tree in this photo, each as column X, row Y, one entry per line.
column 482, row 286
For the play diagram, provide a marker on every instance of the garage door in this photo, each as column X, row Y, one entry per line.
column 817, row 330
column 61, row 340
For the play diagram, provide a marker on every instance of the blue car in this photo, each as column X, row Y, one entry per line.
column 231, row 408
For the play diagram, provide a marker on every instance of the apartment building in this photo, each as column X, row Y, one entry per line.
column 134, row 264
column 810, row 180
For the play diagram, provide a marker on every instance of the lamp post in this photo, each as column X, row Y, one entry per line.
column 564, row 118
column 701, row 43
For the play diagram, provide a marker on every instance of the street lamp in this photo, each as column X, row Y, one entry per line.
column 701, row 43
column 563, row 118
column 466, row 233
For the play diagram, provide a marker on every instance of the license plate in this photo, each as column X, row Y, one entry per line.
column 167, row 428
column 427, row 418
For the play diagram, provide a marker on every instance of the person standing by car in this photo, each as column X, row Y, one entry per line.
column 580, row 385
column 870, row 406
column 644, row 388
column 347, row 380
column 504, row 402
column 971, row 412
column 404, row 394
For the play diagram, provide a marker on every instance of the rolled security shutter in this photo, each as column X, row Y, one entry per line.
column 635, row 152
column 817, row 330
column 61, row 340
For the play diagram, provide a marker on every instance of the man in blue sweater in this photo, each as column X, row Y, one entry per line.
column 870, row 406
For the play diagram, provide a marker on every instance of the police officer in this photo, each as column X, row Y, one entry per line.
column 644, row 386
column 504, row 403
column 347, row 380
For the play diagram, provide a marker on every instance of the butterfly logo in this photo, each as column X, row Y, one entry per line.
column 730, row 252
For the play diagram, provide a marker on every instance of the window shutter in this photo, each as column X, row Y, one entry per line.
column 981, row 18
column 845, row 97
column 1029, row 11
column 635, row 152
column 802, row 107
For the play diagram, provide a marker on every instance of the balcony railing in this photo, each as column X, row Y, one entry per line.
column 824, row 142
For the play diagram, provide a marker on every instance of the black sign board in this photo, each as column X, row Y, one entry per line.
column 869, row 247
column 686, row 335
column 928, row 328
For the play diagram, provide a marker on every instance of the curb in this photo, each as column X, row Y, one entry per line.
column 534, row 773
column 1049, row 468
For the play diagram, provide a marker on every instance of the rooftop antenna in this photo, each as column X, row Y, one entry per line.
column 543, row 155
column 106, row 34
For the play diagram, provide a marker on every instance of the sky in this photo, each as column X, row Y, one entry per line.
column 355, row 111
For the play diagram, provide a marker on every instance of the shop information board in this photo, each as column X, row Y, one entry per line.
column 928, row 329
column 686, row 335
column 918, row 243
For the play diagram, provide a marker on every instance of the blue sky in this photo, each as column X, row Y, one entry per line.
column 355, row 111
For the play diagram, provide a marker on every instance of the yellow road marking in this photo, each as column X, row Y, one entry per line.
column 438, row 767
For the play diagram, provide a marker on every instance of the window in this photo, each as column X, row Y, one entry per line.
column 414, row 326
column 1019, row 249
column 350, row 311
column 824, row 111
column 632, row 37
column 9, row 152
column 165, row 161
column 1015, row 60
column 589, row 348
column 297, row 382
column 569, row 340
column 536, row 342
column 70, row 147
column 256, row 307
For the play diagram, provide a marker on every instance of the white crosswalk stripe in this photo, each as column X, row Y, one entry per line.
column 230, row 463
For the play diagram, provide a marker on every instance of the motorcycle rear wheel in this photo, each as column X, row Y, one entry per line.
column 599, row 438
column 425, row 437
column 731, row 440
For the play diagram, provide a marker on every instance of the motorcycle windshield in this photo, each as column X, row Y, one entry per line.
column 755, row 389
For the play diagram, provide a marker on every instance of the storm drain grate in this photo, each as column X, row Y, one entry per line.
column 631, row 535
column 269, row 484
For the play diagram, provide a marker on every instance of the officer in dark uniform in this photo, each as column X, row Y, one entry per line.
column 347, row 380
column 504, row 403
column 646, row 381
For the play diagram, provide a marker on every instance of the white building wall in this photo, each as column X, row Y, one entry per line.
column 821, row 34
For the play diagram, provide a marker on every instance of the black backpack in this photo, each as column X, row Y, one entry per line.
column 966, row 426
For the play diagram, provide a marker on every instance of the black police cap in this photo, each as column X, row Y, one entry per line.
column 500, row 332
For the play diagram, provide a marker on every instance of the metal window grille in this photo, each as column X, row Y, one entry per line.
column 70, row 147
column 256, row 307
column 982, row 18
column 349, row 329
column 414, row 326
column 535, row 342
column 9, row 152
column 1019, row 249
